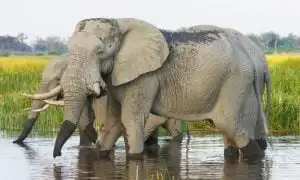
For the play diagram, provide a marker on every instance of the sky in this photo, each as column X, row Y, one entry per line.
column 58, row 17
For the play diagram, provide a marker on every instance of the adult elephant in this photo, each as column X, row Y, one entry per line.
column 50, row 89
column 256, row 55
column 184, row 75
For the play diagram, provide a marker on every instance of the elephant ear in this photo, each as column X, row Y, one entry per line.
column 143, row 50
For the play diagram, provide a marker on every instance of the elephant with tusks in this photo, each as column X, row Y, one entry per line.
column 50, row 90
column 205, row 72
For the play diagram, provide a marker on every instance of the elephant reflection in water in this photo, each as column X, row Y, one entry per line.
column 91, row 165
column 247, row 170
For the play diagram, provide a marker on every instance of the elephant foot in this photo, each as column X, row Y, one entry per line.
column 152, row 140
column 66, row 130
column 84, row 141
column 152, row 149
column 231, row 154
column 151, row 144
column 135, row 156
column 178, row 138
column 27, row 127
column 104, row 153
column 252, row 151
column 231, row 151
column 91, row 133
column 262, row 143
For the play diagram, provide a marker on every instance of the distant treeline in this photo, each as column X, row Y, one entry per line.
column 16, row 45
column 53, row 45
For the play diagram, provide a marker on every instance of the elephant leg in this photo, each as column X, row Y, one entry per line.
column 260, row 135
column 136, row 105
column 230, row 148
column 110, row 127
column 87, row 132
column 84, row 139
column 152, row 124
column 152, row 140
column 174, row 128
column 238, row 124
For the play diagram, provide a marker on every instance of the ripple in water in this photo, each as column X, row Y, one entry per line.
column 202, row 158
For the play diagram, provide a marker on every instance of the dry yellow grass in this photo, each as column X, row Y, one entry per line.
column 21, row 62
column 17, row 62
column 283, row 58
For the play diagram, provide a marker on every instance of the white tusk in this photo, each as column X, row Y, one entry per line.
column 53, row 102
column 27, row 109
column 41, row 109
column 47, row 95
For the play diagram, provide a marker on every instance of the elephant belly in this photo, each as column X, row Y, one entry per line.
column 191, row 81
column 192, row 99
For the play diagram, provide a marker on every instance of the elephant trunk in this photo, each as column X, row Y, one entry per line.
column 32, row 115
column 30, row 121
column 75, row 95
column 73, row 108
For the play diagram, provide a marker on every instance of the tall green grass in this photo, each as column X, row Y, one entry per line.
column 284, row 116
column 285, row 107
column 13, row 83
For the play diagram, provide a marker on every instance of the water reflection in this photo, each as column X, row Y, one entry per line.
column 202, row 158
column 90, row 166
column 247, row 170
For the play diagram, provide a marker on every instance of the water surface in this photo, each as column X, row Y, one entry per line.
column 202, row 158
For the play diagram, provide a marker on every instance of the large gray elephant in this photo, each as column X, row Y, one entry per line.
column 50, row 80
column 184, row 75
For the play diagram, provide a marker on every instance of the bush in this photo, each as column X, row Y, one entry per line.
column 4, row 54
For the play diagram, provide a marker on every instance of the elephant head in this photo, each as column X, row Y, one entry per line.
column 106, row 52
column 49, row 87
column 51, row 91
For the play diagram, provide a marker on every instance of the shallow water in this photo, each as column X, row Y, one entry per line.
column 202, row 158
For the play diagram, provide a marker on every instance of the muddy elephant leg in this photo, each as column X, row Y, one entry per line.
column 152, row 140
column 110, row 127
column 239, row 124
column 260, row 135
column 174, row 128
column 83, row 139
column 230, row 148
column 136, row 105
column 133, row 122
column 87, row 132
column 151, row 128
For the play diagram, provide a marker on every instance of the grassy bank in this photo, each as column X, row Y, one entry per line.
column 22, row 74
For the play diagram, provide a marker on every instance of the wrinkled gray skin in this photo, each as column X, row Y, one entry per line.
column 51, row 78
column 256, row 54
column 200, row 75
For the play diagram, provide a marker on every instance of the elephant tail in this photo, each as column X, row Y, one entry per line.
column 261, row 114
column 267, row 80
